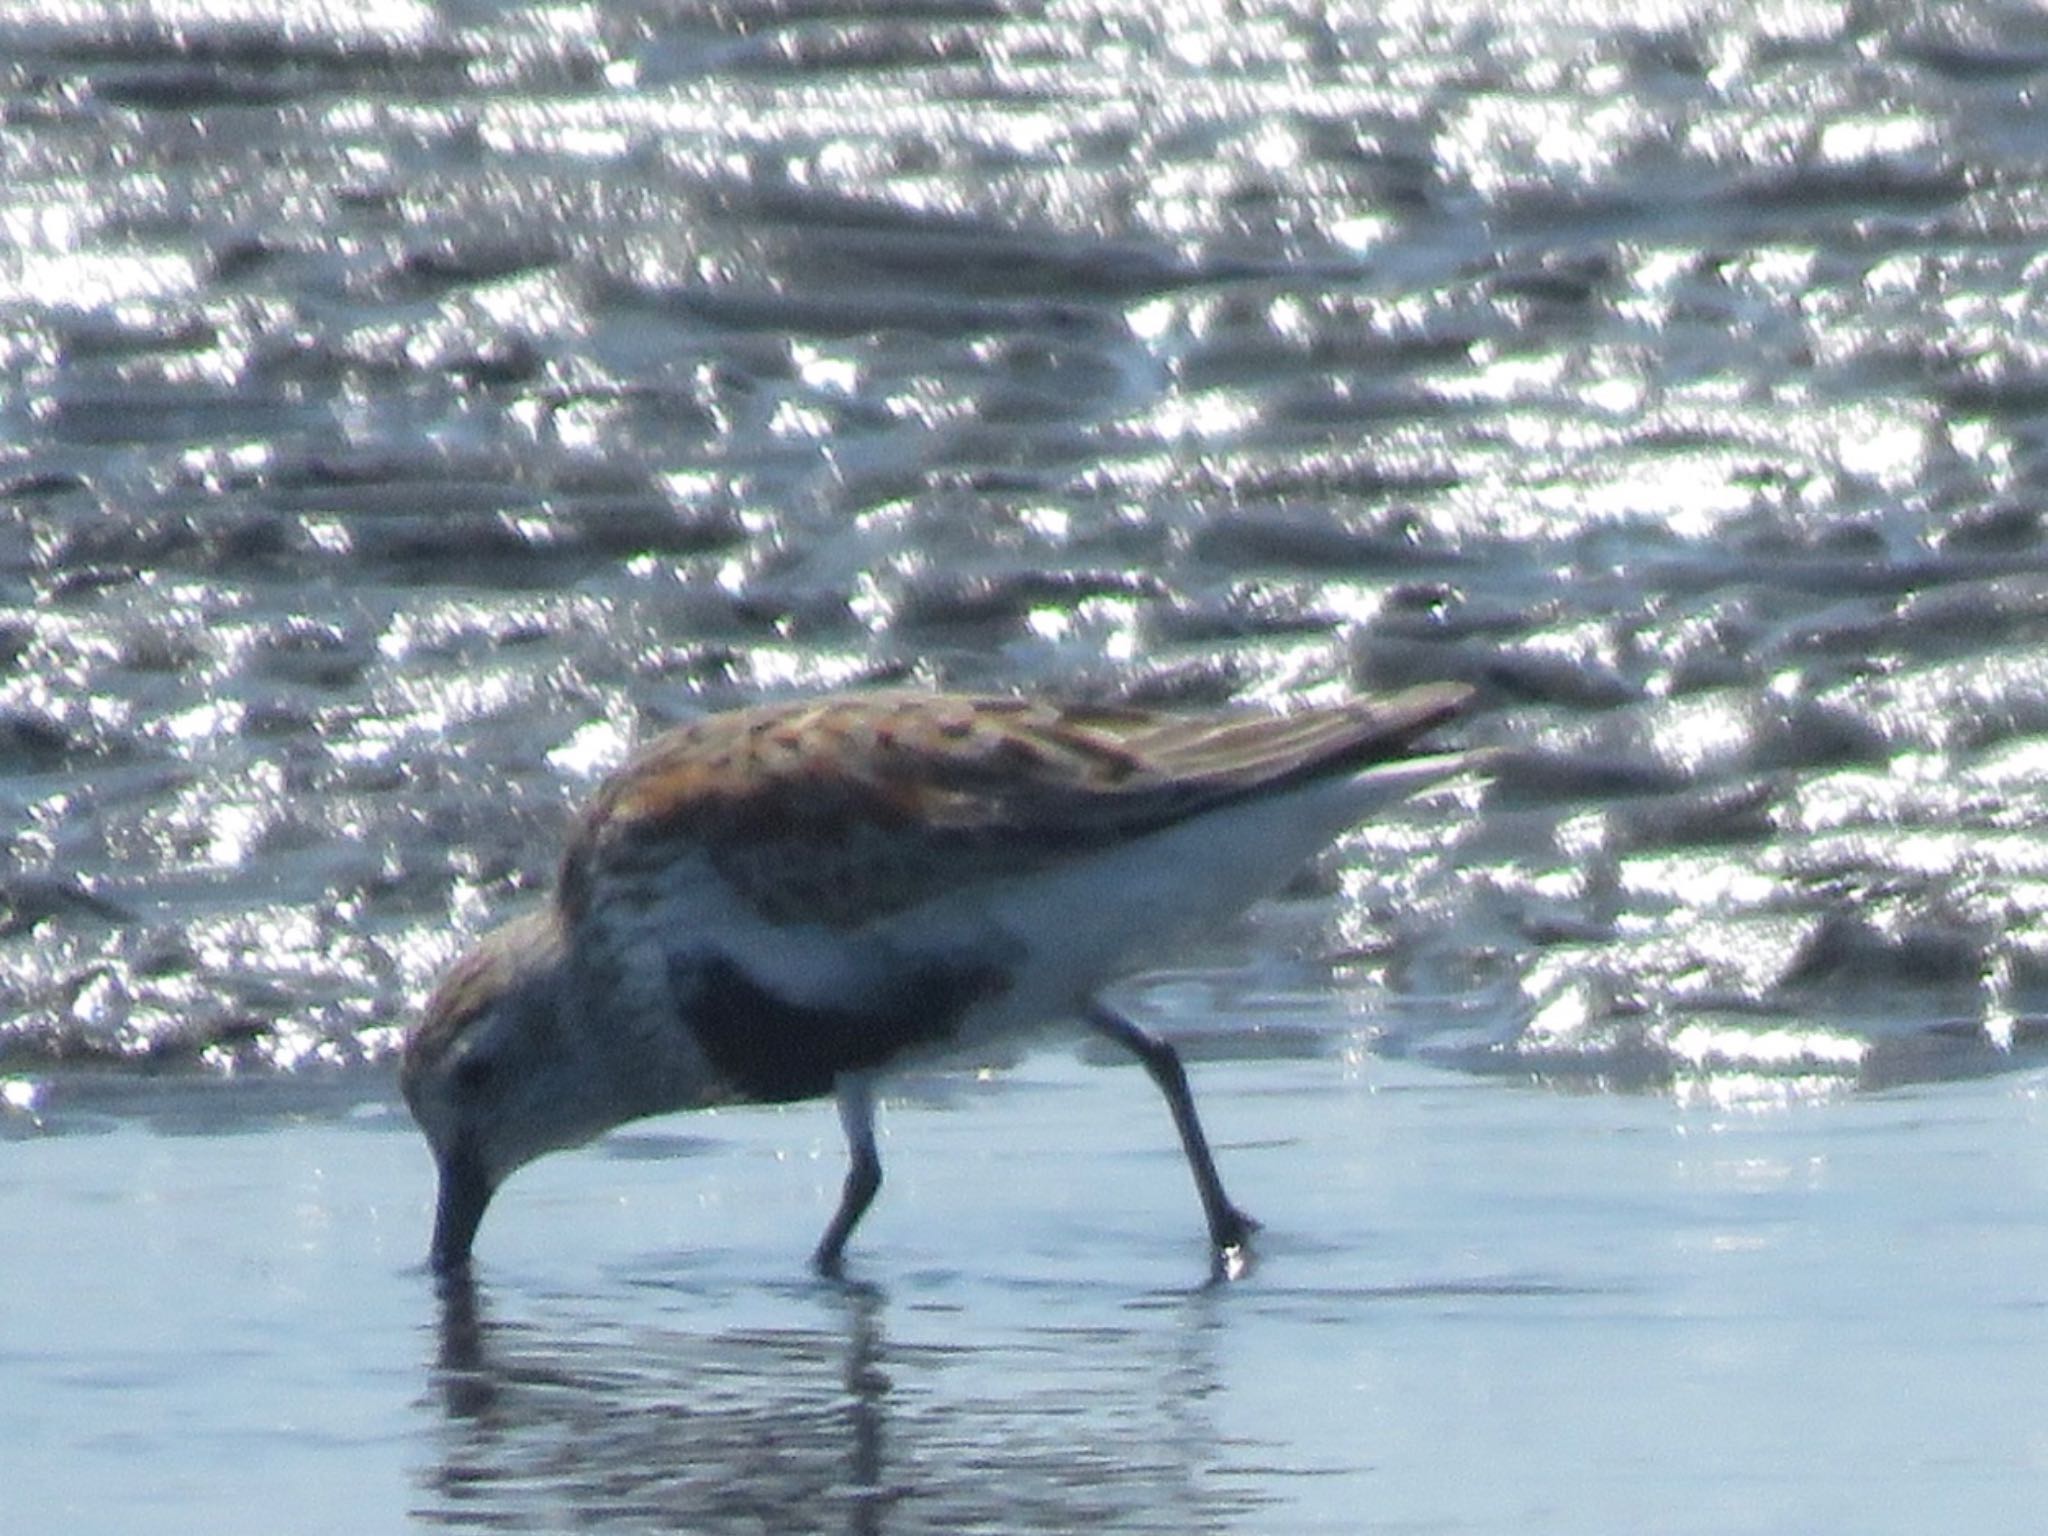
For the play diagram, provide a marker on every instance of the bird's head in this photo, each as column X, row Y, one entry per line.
column 483, row 1073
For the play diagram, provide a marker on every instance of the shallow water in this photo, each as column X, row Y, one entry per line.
column 1474, row 1310
column 404, row 408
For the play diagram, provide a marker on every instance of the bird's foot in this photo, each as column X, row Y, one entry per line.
column 1231, row 1233
column 1232, row 1228
column 1232, row 1263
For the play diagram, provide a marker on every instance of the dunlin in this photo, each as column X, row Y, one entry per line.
column 788, row 901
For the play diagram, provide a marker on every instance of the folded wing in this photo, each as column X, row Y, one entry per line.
column 842, row 811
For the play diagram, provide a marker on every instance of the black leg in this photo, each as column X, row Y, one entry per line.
column 1229, row 1227
column 863, row 1173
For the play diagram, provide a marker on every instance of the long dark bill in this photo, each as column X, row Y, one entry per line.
column 459, row 1210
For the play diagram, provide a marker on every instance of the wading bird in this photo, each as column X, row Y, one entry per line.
column 786, row 902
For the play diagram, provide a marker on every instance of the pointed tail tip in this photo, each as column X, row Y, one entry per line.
column 1434, row 701
column 1389, row 723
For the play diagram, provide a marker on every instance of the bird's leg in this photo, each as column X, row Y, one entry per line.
column 1229, row 1227
column 863, row 1174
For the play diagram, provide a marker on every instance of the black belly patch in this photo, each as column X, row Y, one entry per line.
column 774, row 1051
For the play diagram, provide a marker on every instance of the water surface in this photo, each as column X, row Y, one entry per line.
column 1475, row 1310
column 403, row 409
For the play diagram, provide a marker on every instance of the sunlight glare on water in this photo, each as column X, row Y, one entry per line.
column 410, row 408
column 372, row 21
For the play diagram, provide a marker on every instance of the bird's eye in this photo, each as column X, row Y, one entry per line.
column 474, row 1072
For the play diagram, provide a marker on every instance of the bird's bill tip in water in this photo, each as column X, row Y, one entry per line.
column 459, row 1210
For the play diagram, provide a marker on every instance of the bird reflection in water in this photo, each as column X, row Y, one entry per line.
column 828, row 1426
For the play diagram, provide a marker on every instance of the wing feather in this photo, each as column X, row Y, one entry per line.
column 839, row 810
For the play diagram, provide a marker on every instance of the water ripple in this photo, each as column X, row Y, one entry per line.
column 407, row 409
